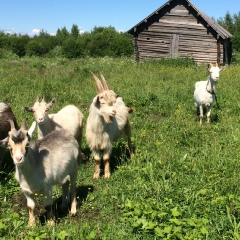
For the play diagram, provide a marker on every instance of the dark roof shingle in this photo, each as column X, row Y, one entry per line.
column 213, row 24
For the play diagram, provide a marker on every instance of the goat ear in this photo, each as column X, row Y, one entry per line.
column 50, row 104
column 4, row 142
column 222, row 69
column 96, row 102
column 207, row 69
column 31, row 129
column 28, row 109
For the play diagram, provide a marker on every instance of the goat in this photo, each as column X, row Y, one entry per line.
column 6, row 114
column 205, row 92
column 108, row 119
column 69, row 118
column 43, row 163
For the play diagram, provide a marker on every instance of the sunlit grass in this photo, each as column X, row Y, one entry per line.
column 183, row 182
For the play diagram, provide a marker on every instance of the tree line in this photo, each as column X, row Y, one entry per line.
column 232, row 24
column 100, row 42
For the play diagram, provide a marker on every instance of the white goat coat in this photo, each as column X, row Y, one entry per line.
column 69, row 118
column 101, row 135
column 202, row 95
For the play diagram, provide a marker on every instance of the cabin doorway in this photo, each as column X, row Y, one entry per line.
column 174, row 46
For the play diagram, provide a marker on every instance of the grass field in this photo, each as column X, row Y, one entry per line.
column 183, row 182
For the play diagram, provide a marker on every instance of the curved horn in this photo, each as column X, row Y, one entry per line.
column 23, row 126
column 12, row 124
column 104, row 82
column 98, row 83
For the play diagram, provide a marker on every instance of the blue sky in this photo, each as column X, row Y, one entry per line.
column 29, row 16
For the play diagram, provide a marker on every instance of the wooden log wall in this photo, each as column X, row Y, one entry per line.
column 194, row 39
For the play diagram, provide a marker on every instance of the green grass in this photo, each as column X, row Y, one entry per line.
column 183, row 182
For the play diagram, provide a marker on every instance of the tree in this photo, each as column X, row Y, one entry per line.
column 74, row 31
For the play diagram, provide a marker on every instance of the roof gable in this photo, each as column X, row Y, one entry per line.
column 223, row 33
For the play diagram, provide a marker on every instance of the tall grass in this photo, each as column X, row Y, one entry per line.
column 183, row 182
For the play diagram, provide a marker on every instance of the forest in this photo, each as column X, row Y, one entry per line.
column 100, row 42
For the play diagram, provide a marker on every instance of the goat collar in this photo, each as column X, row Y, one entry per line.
column 210, row 91
column 211, row 85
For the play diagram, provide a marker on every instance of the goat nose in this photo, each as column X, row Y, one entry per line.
column 40, row 119
column 18, row 159
column 114, row 112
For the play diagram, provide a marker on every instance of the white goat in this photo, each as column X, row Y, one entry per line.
column 108, row 119
column 6, row 114
column 205, row 91
column 43, row 163
column 69, row 118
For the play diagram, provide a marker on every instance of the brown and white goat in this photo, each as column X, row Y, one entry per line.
column 6, row 114
column 108, row 119
column 43, row 163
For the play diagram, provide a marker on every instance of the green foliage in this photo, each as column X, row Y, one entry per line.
column 232, row 24
column 72, row 48
column 74, row 31
column 99, row 43
column 183, row 182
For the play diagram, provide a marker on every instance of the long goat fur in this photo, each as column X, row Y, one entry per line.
column 108, row 119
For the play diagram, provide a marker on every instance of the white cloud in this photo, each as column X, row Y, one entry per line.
column 121, row 31
column 81, row 30
column 36, row 31
column 10, row 31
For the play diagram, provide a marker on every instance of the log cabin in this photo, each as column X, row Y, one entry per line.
column 180, row 29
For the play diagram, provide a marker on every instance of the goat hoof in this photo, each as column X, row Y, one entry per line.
column 96, row 176
column 107, row 175
column 31, row 224
column 51, row 222
column 73, row 213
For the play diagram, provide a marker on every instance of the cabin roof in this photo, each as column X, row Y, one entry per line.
column 223, row 33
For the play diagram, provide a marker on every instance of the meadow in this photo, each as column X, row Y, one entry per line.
column 183, row 182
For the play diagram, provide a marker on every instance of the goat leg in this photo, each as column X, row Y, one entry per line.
column 106, row 160
column 97, row 159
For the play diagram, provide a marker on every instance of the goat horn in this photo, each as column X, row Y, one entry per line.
column 37, row 100
column 23, row 126
column 98, row 83
column 43, row 98
column 104, row 82
column 12, row 124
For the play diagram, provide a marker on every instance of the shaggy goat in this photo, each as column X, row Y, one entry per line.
column 6, row 114
column 43, row 163
column 108, row 119
column 69, row 118
column 205, row 92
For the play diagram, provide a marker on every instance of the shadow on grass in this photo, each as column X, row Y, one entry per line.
column 82, row 193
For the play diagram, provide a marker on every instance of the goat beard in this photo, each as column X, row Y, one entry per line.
column 107, row 118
